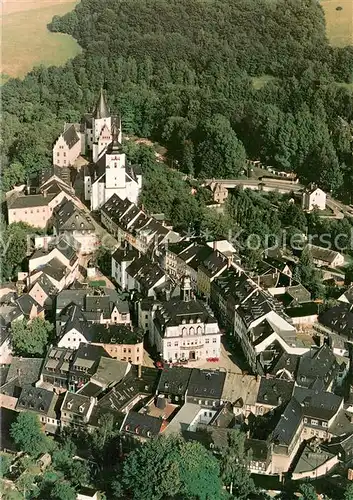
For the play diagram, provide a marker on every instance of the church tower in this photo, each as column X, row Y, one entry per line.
column 115, row 161
column 101, row 124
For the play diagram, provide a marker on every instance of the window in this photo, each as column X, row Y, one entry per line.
column 214, row 341
column 314, row 422
column 207, row 341
column 137, row 359
column 169, row 344
column 324, row 424
column 305, row 420
column 58, row 154
column 206, row 403
column 175, row 344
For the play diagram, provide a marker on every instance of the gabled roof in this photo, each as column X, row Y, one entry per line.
column 70, row 136
column 142, row 425
column 130, row 386
column 339, row 319
column 288, row 424
column 145, row 272
column 317, row 364
column 274, row 391
column 76, row 403
column 26, row 302
column 174, row 380
column 30, row 201
column 176, row 312
column 110, row 371
column 240, row 390
column 35, row 399
column 213, row 264
column 69, row 218
column 321, row 253
column 205, row 384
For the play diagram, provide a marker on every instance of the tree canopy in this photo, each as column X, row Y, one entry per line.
column 173, row 467
column 30, row 338
column 27, row 433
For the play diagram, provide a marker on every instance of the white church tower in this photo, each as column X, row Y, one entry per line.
column 115, row 163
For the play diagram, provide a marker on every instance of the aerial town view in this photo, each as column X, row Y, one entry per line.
column 176, row 294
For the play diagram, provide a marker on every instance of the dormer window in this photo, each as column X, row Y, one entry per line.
column 69, row 405
column 137, row 430
column 183, row 321
column 265, row 397
column 81, row 408
column 198, row 320
column 149, row 434
column 127, row 427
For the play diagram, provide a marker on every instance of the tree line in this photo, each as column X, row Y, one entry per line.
column 183, row 73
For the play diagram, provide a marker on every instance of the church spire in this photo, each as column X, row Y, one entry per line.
column 116, row 133
column 101, row 110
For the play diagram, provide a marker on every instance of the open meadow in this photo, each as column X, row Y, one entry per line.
column 339, row 21
column 26, row 41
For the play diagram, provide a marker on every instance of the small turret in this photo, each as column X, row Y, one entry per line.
column 185, row 291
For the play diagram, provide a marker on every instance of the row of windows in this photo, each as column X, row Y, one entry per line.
column 58, row 154
column 315, row 422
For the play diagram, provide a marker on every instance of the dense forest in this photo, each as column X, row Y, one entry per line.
column 214, row 81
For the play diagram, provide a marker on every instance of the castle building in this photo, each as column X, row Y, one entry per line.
column 109, row 173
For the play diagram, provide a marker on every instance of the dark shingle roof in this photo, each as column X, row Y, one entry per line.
column 142, row 425
column 30, row 201
column 206, row 384
column 317, row 364
column 176, row 311
column 174, row 380
column 339, row 319
column 288, row 424
column 70, row 136
column 274, row 391
column 35, row 399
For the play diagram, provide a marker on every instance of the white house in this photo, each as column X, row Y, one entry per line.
column 185, row 329
column 313, row 197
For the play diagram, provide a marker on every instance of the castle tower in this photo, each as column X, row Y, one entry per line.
column 101, row 124
column 101, row 117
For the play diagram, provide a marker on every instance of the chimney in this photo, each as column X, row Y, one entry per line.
column 214, row 245
column 229, row 261
column 139, row 371
column 45, row 193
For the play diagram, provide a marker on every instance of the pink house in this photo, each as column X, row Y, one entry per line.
column 35, row 209
column 68, row 147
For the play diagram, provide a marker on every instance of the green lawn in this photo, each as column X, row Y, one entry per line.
column 26, row 41
column 260, row 81
column 339, row 22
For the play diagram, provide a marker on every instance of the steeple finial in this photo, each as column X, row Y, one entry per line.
column 101, row 110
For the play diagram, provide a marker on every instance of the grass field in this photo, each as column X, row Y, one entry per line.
column 339, row 22
column 26, row 41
